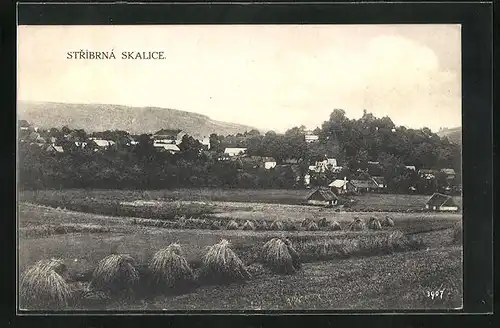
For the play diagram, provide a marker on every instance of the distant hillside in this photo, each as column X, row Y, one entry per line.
column 453, row 134
column 136, row 120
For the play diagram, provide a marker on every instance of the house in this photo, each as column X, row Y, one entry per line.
column 172, row 136
column 311, row 138
column 427, row 174
column 235, row 151
column 364, row 185
column 440, row 202
column 54, row 149
column 322, row 196
column 171, row 148
column 450, row 173
column 411, row 167
column 269, row 163
column 80, row 144
column 101, row 143
column 340, row 187
column 337, row 169
column 24, row 125
column 380, row 182
column 205, row 142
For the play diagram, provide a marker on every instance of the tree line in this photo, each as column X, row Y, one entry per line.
column 353, row 142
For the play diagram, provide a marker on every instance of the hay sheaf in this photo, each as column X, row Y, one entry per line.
column 387, row 222
column 312, row 226
column 374, row 224
column 221, row 265
column 169, row 268
column 115, row 273
column 248, row 225
column 276, row 225
column 232, row 225
column 280, row 256
column 357, row 225
column 305, row 222
column 334, row 226
column 322, row 223
column 43, row 285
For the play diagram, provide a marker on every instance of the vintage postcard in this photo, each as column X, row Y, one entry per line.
column 239, row 167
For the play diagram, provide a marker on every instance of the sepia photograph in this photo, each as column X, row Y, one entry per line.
column 239, row 167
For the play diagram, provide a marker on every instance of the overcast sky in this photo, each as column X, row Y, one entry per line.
column 267, row 76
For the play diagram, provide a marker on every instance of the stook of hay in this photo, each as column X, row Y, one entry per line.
column 276, row 225
column 305, row 222
column 387, row 222
column 322, row 223
column 280, row 256
column 374, row 224
column 261, row 226
column 232, row 225
column 334, row 226
column 357, row 225
column 312, row 226
column 215, row 225
column 115, row 273
column 249, row 225
column 169, row 268
column 43, row 285
column 221, row 265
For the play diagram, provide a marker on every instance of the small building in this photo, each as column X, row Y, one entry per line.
column 427, row 174
column 172, row 136
column 380, row 182
column 171, row 148
column 450, row 173
column 340, row 187
column 364, row 185
column 235, row 151
column 411, row 167
column 269, row 163
column 101, row 143
column 309, row 138
column 322, row 196
column 205, row 143
column 54, row 149
column 440, row 202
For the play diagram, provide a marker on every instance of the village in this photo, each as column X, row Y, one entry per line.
column 329, row 193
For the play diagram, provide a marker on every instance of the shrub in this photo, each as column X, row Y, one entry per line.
column 215, row 225
column 312, row 226
column 334, row 226
column 276, row 225
column 387, row 222
column 374, row 224
column 43, row 285
column 290, row 226
column 169, row 268
column 280, row 256
column 248, row 225
column 115, row 273
column 232, row 225
column 220, row 264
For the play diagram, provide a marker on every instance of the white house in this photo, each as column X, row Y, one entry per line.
column 440, row 202
column 103, row 143
column 205, row 142
column 235, row 151
column 269, row 163
column 311, row 138
column 171, row 148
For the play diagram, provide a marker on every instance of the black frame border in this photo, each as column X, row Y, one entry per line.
column 477, row 124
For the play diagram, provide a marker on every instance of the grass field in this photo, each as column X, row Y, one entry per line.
column 366, row 274
column 375, row 202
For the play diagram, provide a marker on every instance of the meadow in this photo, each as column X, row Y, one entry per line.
column 389, row 268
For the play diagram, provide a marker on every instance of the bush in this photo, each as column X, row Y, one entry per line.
column 322, row 223
column 115, row 273
column 221, row 265
column 280, row 256
column 169, row 268
column 43, row 286
column 457, row 233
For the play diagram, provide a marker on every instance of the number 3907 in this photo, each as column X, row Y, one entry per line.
column 435, row 294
